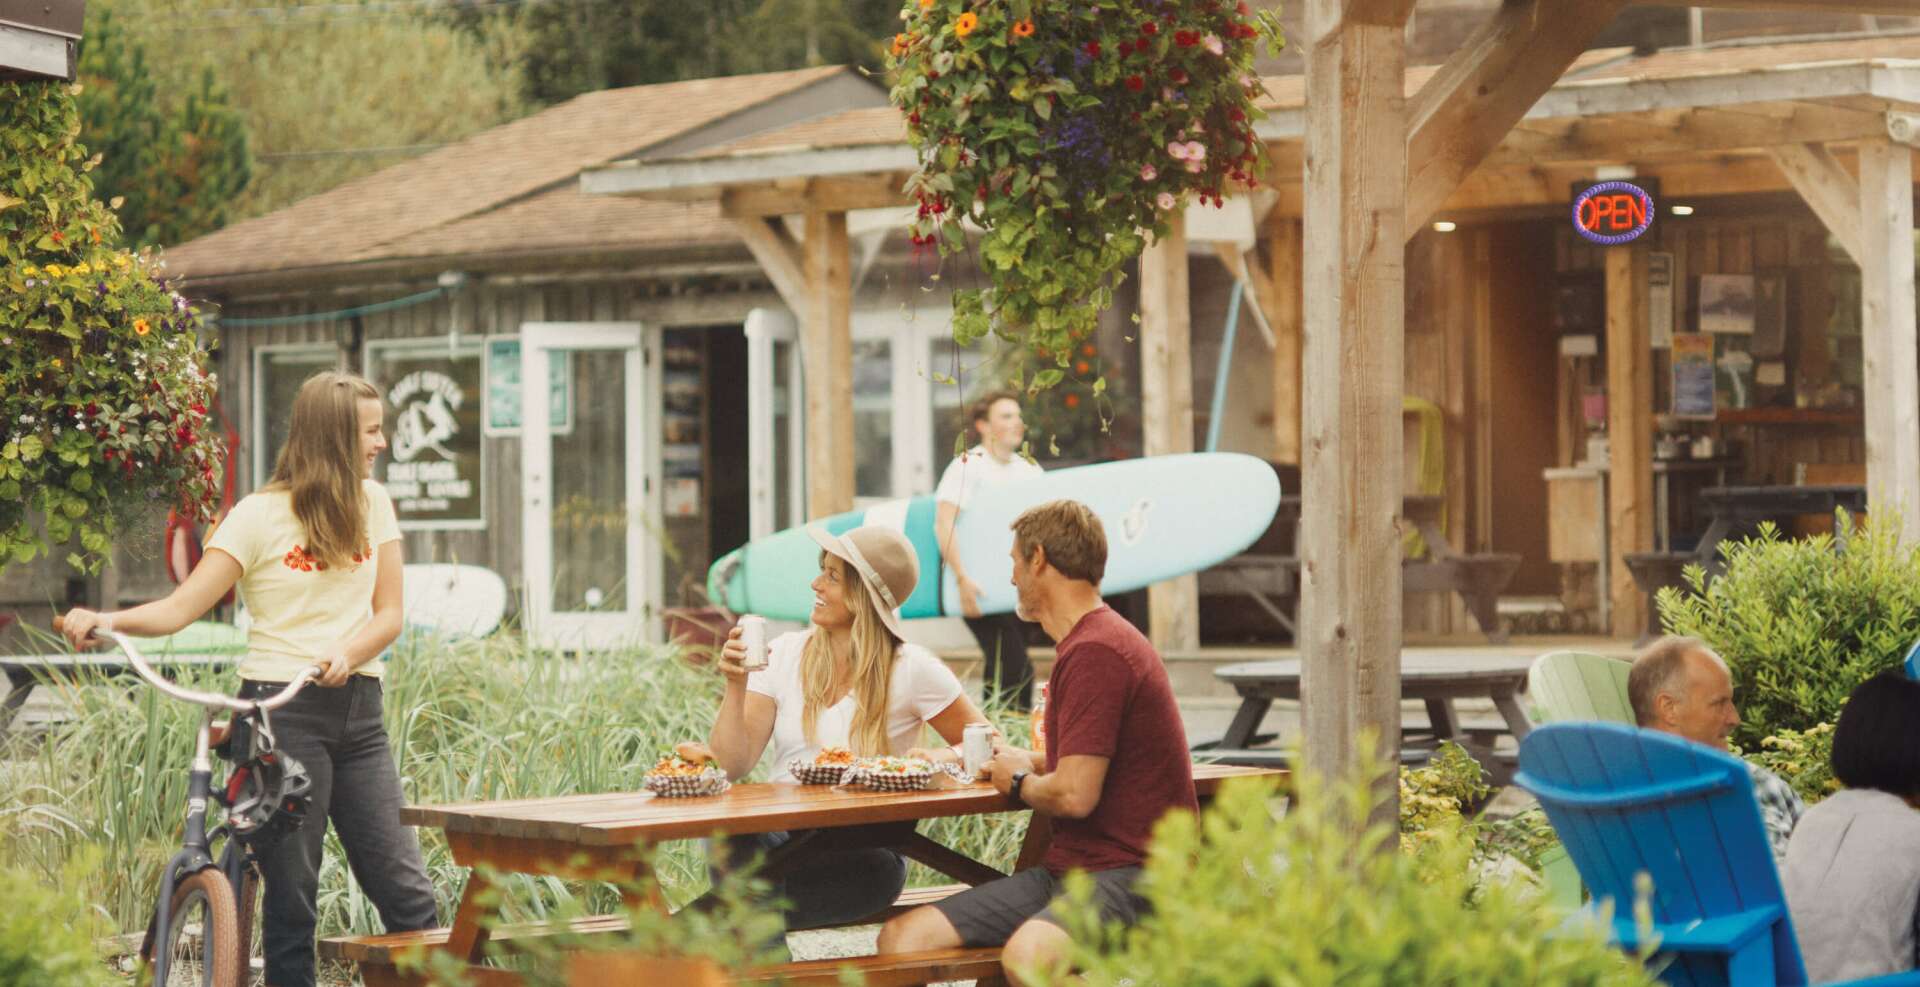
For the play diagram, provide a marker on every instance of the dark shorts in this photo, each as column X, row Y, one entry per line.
column 988, row 914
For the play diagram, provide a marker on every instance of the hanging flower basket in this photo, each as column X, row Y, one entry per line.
column 1067, row 131
column 104, row 393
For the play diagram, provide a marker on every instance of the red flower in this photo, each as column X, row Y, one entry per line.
column 1135, row 84
column 1234, row 114
column 1082, row 367
column 1093, row 49
column 1149, row 28
column 1126, row 48
column 1242, row 8
column 1072, row 401
column 57, row 238
column 1186, row 39
column 1179, row 77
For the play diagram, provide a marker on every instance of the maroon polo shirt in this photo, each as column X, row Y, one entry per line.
column 1109, row 697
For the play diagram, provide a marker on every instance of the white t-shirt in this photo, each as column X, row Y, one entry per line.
column 975, row 470
column 922, row 687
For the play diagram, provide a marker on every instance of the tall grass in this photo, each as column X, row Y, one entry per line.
column 469, row 720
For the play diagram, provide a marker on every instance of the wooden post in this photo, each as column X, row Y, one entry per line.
column 1166, row 390
column 1887, row 331
column 1352, row 360
column 1281, row 303
column 1629, row 431
column 827, row 328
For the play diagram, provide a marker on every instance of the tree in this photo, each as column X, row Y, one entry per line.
column 574, row 48
column 326, row 92
column 177, row 169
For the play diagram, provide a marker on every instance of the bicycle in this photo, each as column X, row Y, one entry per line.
column 263, row 802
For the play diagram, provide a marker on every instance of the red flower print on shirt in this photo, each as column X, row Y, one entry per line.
column 301, row 560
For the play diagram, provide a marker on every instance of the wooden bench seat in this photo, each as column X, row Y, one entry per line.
column 1478, row 578
column 898, row 970
column 380, row 950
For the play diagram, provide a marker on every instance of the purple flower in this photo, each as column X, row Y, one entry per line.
column 101, row 289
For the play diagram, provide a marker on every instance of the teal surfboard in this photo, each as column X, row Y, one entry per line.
column 1165, row 516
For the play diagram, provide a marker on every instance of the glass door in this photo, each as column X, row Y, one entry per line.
column 587, row 507
column 776, row 424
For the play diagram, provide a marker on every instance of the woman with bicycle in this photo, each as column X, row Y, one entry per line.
column 317, row 556
column 851, row 681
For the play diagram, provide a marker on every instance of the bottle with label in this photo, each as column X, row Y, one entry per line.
column 1039, row 721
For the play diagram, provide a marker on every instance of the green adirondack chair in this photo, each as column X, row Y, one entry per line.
column 1574, row 685
column 1571, row 686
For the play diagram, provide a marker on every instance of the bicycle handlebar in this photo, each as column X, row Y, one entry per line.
column 211, row 699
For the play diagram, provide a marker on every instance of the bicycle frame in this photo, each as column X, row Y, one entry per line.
column 195, row 847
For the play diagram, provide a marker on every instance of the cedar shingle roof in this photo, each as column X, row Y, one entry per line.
column 507, row 188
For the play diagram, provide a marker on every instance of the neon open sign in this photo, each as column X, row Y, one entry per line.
column 1612, row 212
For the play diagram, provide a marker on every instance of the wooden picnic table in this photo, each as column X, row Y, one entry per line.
column 26, row 671
column 1739, row 510
column 1434, row 677
column 594, row 837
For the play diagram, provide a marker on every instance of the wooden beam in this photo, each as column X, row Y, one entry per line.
column 1887, row 330
column 1832, row 193
column 1486, row 87
column 1898, row 7
column 1279, row 290
column 1383, row 13
column 1354, row 308
column 826, row 325
column 1681, row 134
column 1629, row 431
column 834, row 194
column 779, row 256
column 1166, row 390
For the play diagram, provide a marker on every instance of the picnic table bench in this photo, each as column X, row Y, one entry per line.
column 594, row 837
column 1436, row 678
column 1477, row 577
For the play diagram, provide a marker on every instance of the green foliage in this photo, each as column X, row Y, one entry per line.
column 47, row 933
column 1244, row 896
column 327, row 92
column 1067, row 132
column 1802, row 758
column 469, row 720
column 178, row 166
column 1433, row 802
column 103, row 384
column 1801, row 624
column 581, row 47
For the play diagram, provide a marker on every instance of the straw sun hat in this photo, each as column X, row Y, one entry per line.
column 885, row 560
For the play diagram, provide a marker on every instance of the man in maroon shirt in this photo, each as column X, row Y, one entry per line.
column 1116, row 758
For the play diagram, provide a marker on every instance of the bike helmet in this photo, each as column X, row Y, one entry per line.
column 266, row 798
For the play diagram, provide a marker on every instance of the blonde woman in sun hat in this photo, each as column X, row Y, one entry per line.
column 848, row 680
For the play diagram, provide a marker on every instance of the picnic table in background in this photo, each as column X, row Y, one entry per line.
column 590, row 837
column 201, row 644
column 1435, row 677
column 1739, row 510
column 1478, row 577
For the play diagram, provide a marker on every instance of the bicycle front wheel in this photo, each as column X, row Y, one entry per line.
column 202, row 938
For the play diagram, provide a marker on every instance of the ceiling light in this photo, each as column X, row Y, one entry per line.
column 1682, row 210
column 1444, row 226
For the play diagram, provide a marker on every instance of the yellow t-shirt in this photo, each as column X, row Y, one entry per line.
column 299, row 606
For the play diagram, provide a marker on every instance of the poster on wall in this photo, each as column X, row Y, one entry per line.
column 503, row 389
column 1660, row 299
column 1726, row 304
column 1692, row 375
column 434, row 467
column 1770, row 315
column 1733, row 372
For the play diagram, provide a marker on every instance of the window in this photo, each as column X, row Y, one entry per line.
column 278, row 372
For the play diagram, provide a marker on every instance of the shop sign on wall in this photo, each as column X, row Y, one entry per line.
column 1612, row 213
column 434, row 465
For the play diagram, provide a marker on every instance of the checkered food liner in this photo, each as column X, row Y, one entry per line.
column 890, row 774
column 711, row 781
column 809, row 773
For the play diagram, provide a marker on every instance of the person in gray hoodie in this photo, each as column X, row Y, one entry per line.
column 1852, row 871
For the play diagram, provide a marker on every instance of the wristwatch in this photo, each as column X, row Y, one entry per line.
column 1013, row 788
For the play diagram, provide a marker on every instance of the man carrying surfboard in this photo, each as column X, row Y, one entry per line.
column 1116, row 759
column 995, row 418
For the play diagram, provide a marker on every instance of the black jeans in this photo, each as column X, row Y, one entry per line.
column 337, row 734
column 842, row 881
column 1003, row 640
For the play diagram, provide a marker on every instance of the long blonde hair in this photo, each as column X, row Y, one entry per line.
column 874, row 647
column 320, row 465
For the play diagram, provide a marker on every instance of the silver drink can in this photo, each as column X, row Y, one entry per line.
column 976, row 748
column 753, row 634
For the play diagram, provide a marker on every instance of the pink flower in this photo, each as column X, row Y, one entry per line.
column 1177, row 150
column 1147, row 173
column 1196, row 166
column 1196, row 151
column 1192, row 152
column 1212, row 43
column 1165, row 201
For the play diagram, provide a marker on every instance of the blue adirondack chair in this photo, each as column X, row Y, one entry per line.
column 1913, row 661
column 1626, row 800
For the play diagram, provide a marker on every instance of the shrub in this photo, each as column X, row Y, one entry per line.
column 1242, row 898
column 47, row 934
column 1800, row 623
column 104, row 393
column 1435, row 798
column 1802, row 758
